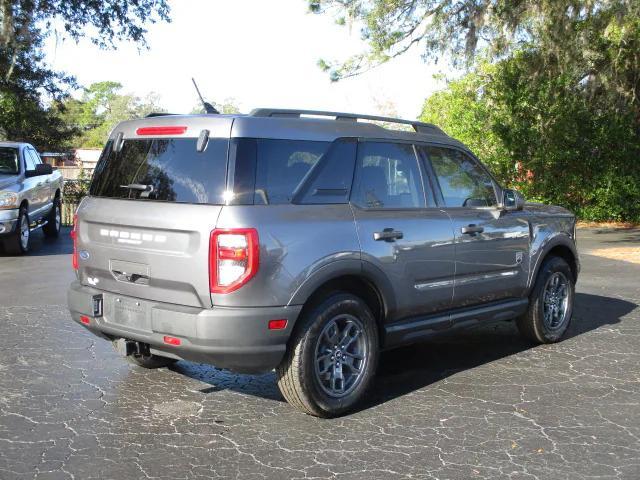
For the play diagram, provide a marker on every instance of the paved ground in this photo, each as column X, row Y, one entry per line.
column 482, row 405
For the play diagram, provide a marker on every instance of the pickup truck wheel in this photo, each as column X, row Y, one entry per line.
column 332, row 357
column 18, row 242
column 551, row 303
column 54, row 220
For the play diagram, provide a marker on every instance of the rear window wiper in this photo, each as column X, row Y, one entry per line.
column 145, row 190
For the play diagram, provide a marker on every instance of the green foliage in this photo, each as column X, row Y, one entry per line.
column 101, row 107
column 459, row 31
column 30, row 91
column 551, row 95
column 581, row 150
column 466, row 114
column 228, row 105
column 22, row 118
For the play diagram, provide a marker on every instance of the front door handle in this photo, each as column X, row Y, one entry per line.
column 471, row 229
column 388, row 235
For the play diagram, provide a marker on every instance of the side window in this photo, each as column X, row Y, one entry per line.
column 462, row 181
column 330, row 180
column 387, row 176
column 281, row 167
column 29, row 164
column 35, row 156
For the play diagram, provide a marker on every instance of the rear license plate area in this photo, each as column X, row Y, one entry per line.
column 134, row 314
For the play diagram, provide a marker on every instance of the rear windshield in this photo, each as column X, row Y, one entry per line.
column 8, row 160
column 169, row 170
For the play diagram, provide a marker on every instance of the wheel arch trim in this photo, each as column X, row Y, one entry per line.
column 558, row 240
column 333, row 271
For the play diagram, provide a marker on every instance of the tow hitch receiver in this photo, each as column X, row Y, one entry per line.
column 131, row 347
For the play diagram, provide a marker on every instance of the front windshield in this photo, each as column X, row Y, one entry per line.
column 8, row 161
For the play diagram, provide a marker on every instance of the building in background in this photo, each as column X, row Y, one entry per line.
column 73, row 164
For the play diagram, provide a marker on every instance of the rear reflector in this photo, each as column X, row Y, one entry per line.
column 84, row 319
column 172, row 340
column 278, row 324
column 165, row 130
column 74, row 237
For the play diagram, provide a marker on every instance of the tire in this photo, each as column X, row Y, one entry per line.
column 147, row 361
column 17, row 243
column 533, row 325
column 315, row 386
column 54, row 220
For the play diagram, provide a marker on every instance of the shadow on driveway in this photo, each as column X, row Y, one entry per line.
column 404, row 370
column 40, row 245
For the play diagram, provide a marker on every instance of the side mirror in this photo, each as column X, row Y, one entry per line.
column 512, row 200
column 41, row 169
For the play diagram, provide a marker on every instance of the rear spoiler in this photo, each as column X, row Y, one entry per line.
column 159, row 114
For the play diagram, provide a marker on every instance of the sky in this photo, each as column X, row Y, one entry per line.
column 262, row 54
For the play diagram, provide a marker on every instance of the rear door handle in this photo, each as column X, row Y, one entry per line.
column 471, row 229
column 388, row 235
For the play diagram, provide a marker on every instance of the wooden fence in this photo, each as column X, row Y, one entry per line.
column 73, row 192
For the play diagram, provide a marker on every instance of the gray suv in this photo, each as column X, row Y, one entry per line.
column 307, row 242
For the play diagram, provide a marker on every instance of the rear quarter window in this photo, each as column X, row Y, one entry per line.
column 277, row 171
column 281, row 167
column 169, row 170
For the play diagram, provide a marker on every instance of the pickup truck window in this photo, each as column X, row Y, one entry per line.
column 8, row 161
column 35, row 156
column 29, row 164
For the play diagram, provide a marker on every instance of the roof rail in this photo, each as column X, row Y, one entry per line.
column 419, row 127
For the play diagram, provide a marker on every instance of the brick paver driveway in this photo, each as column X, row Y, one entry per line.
column 484, row 404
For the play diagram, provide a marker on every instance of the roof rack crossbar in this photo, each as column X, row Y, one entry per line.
column 419, row 127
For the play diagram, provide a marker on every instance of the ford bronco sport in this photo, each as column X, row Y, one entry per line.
column 307, row 242
column 30, row 195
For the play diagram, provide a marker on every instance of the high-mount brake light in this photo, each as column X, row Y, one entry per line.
column 74, row 237
column 233, row 258
column 161, row 130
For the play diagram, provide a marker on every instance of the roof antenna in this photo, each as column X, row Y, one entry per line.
column 207, row 106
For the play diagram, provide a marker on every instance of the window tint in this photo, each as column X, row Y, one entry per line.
column 29, row 164
column 462, row 181
column 169, row 170
column 8, row 160
column 387, row 176
column 330, row 179
column 281, row 167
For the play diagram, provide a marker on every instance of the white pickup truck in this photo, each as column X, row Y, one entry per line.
column 30, row 196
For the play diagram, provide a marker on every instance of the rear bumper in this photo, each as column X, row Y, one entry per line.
column 8, row 221
column 233, row 338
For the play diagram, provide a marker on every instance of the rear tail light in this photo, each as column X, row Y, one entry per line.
column 74, row 237
column 233, row 258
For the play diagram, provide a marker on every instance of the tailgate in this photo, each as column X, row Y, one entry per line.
column 152, row 250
